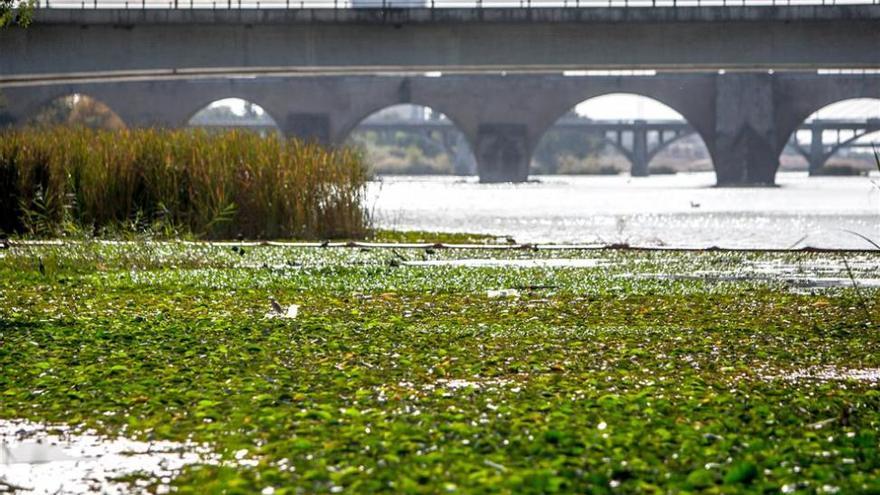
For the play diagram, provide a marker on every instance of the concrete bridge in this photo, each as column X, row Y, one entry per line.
column 744, row 118
column 139, row 41
column 158, row 66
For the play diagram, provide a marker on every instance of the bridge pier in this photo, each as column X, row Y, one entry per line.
column 503, row 153
column 817, row 153
column 744, row 148
column 307, row 126
column 640, row 149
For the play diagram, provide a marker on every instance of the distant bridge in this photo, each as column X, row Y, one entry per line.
column 641, row 140
column 820, row 151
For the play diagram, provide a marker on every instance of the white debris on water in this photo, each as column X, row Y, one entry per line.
column 52, row 459
column 833, row 373
column 290, row 313
column 494, row 294
column 458, row 384
column 512, row 263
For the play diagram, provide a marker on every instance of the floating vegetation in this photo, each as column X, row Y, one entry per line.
column 414, row 379
column 67, row 181
column 521, row 263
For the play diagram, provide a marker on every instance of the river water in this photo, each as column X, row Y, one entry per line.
column 682, row 210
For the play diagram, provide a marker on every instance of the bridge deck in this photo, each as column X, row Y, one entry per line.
column 138, row 41
column 262, row 12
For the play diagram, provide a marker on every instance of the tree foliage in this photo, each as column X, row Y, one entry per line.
column 16, row 12
column 78, row 110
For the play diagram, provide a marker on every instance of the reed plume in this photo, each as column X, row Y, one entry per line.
column 214, row 185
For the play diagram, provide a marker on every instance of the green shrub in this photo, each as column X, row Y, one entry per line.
column 178, row 182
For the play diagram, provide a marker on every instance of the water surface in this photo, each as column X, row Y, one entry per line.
column 683, row 210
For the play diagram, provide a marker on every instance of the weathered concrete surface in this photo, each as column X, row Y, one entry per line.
column 400, row 16
column 745, row 119
column 75, row 41
column 744, row 148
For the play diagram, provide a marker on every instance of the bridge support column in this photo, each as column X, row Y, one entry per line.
column 502, row 153
column 640, row 149
column 817, row 153
column 744, row 149
column 7, row 116
column 307, row 126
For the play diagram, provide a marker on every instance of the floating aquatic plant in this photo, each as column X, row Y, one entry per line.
column 638, row 372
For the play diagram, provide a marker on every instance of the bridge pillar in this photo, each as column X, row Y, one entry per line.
column 817, row 152
column 307, row 126
column 7, row 116
column 502, row 153
column 744, row 148
column 640, row 149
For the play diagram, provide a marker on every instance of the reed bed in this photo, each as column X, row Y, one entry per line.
column 178, row 182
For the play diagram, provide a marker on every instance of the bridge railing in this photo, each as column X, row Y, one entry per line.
column 433, row 4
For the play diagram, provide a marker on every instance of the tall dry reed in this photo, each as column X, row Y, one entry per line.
column 211, row 184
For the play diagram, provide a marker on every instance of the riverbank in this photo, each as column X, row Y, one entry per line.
column 425, row 371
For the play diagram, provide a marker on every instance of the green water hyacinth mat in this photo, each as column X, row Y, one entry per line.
column 423, row 371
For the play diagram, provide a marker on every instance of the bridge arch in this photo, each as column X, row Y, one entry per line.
column 805, row 95
column 843, row 124
column 74, row 109
column 404, row 138
column 353, row 119
column 636, row 126
column 232, row 112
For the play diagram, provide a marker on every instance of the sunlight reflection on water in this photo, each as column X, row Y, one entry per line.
column 681, row 210
column 51, row 459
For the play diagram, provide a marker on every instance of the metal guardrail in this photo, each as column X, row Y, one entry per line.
column 431, row 4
